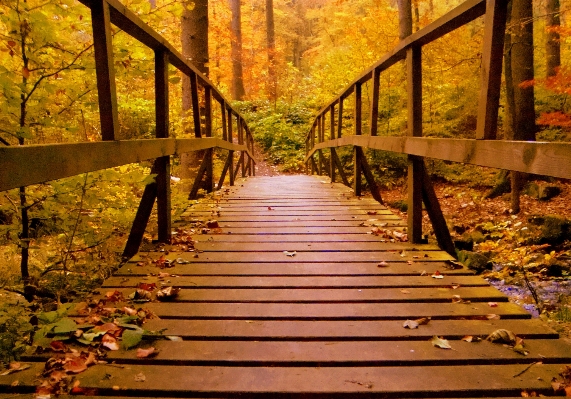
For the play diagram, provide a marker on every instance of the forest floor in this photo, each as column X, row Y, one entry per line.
column 533, row 273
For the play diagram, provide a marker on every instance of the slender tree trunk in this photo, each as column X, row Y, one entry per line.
column 508, row 122
column 238, row 91
column 553, row 46
column 271, row 45
column 194, row 40
column 405, row 18
column 524, row 127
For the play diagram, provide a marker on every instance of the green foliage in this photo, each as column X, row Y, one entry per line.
column 280, row 132
column 15, row 330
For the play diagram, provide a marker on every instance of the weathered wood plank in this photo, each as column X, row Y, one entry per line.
column 132, row 268
column 337, row 295
column 315, row 246
column 304, row 281
column 319, row 330
column 333, row 311
column 355, row 354
column 337, row 382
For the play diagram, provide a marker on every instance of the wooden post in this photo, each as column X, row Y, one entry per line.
column 375, row 102
column 224, row 121
column 241, row 141
column 414, row 88
column 332, row 152
column 208, row 133
column 195, row 105
column 319, row 140
column 103, row 48
column 162, row 164
column 492, row 57
column 230, row 153
column 358, row 130
column 310, row 147
column 253, row 154
column 340, row 118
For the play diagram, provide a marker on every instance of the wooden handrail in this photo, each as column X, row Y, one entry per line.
column 54, row 161
column 532, row 157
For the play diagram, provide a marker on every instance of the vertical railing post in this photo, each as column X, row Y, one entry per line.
column 224, row 121
column 162, row 164
column 319, row 140
column 231, row 153
column 375, row 101
column 253, row 170
column 358, row 130
column 208, row 133
column 103, row 48
column 415, row 163
column 311, row 146
column 195, row 105
column 332, row 136
column 340, row 118
column 491, row 76
column 241, row 141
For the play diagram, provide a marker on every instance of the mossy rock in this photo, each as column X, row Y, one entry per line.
column 542, row 192
column 552, row 229
column 475, row 261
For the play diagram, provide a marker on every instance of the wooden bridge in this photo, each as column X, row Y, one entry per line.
column 297, row 286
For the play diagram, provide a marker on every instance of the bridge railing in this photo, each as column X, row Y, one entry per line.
column 31, row 164
column 550, row 159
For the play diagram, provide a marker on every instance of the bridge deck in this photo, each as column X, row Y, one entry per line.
column 323, row 319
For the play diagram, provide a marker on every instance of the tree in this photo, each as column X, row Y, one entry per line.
column 522, row 106
column 271, row 48
column 237, row 74
column 552, row 46
column 194, row 41
column 405, row 18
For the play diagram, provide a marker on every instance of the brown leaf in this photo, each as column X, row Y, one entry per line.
column 110, row 342
column 140, row 377
column 371, row 212
column 405, row 291
column 114, row 296
column 502, row 336
column 129, row 311
column 467, row 338
column 75, row 366
column 440, row 342
column 167, row 293
column 144, row 353
column 58, row 346
column 412, row 324
column 15, row 367
column 25, row 73
column 107, row 327
column 383, row 264
column 212, row 224
column 147, row 286
column 423, row 321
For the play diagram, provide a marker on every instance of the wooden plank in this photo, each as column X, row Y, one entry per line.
column 293, row 269
column 362, row 330
column 206, row 247
column 542, row 158
column 315, row 257
column 308, row 224
column 335, row 311
column 195, row 104
column 305, row 282
column 346, row 354
column 370, row 220
column 372, row 295
column 320, row 230
column 336, row 382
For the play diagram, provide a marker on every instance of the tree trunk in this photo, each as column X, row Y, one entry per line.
column 524, row 127
column 416, row 15
column 271, row 45
column 553, row 46
column 405, row 18
column 194, row 41
column 238, row 91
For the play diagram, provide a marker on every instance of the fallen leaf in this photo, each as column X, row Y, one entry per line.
column 15, row 367
column 467, row 338
column 75, row 366
column 383, row 264
column 167, row 294
column 110, row 342
column 440, row 342
column 270, row 208
column 129, row 311
column 182, row 261
column 15, row 383
column 423, row 321
column 502, row 336
column 405, row 291
column 131, row 338
column 144, row 353
column 493, row 304
column 58, row 346
column 212, row 224
column 287, row 253
column 492, row 316
column 371, row 212
column 403, row 254
column 147, row 286
column 173, row 338
column 437, row 275
column 140, row 377
column 114, row 296
column 410, row 324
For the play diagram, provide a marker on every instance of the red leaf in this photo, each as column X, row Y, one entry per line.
column 147, row 286
column 58, row 346
column 110, row 342
column 75, row 366
column 144, row 353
